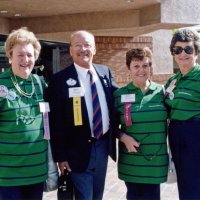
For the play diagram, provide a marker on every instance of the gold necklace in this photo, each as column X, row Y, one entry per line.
column 28, row 95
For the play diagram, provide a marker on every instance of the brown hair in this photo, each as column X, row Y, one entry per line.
column 139, row 53
column 186, row 35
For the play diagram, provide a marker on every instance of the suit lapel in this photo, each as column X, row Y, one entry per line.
column 72, row 76
column 104, row 78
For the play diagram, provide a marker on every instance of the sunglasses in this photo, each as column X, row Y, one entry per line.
column 178, row 50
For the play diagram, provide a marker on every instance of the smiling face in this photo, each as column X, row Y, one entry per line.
column 140, row 71
column 22, row 60
column 185, row 61
column 82, row 48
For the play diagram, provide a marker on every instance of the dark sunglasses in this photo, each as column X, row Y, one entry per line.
column 178, row 50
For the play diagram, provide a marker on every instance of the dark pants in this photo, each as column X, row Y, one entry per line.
column 140, row 191
column 89, row 185
column 27, row 192
column 184, row 139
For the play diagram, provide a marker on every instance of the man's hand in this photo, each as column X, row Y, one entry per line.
column 64, row 165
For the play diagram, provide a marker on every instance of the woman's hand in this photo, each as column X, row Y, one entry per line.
column 129, row 142
column 64, row 165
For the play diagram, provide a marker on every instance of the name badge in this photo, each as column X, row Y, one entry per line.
column 44, row 107
column 76, row 92
column 127, row 98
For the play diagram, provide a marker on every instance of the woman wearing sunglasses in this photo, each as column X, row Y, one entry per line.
column 182, row 96
column 140, row 110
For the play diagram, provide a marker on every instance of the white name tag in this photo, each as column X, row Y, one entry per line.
column 76, row 92
column 127, row 98
column 44, row 107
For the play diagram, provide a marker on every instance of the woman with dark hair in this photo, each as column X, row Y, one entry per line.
column 141, row 114
column 182, row 97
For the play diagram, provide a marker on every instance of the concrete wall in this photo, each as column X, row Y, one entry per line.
column 4, row 26
column 180, row 11
column 162, row 59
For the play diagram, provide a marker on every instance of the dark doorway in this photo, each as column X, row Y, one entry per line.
column 54, row 56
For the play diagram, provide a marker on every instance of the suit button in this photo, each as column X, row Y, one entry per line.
column 89, row 140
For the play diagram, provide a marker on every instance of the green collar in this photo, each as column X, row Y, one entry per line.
column 152, row 86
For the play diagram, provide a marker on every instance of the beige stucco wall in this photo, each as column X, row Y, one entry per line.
column 162, row 59
column 180, row 11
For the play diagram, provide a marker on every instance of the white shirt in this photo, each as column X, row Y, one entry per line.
column 84, row 79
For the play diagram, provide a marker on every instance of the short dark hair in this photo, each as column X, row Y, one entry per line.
column 139, row 53
column 186, row 35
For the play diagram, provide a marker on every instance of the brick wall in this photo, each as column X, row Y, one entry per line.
column 112, row 52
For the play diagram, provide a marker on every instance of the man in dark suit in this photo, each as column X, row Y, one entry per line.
column 74, row 144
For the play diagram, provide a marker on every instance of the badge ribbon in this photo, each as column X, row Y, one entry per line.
column 170, row 88
column 127, row 114
column 77, row 111
column 44, row 108
column 46, row 126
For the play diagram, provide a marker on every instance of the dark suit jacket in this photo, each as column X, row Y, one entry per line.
column 69, row 142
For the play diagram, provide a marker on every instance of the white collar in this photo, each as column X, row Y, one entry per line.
column 84, row 71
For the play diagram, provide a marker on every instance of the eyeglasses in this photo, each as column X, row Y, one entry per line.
column 151, row 156
column 178, row 50
column 81, row 46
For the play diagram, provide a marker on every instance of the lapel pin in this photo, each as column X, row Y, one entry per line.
column 3, row 90
column 71, row 82
column 11, row 95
